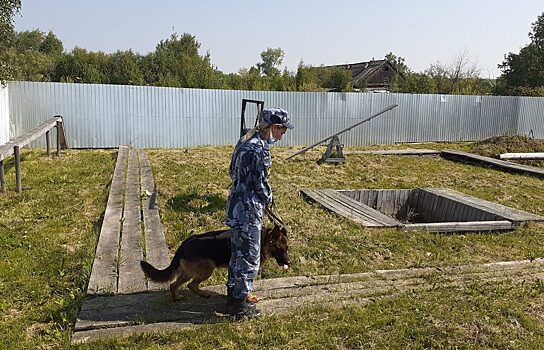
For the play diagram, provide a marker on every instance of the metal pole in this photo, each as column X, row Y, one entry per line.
column 58, row 138
column 2, row 176
column 342, row 131
column 48, row 142
column 17, row 168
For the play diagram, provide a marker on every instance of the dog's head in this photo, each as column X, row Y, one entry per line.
column 275, row 244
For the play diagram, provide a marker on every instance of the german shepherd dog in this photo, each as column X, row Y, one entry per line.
column 199, row 255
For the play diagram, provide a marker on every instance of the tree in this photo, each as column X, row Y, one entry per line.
column 306, row 78
column 523, row 73
column 176, row 62
column 32, row 55
column 398, row 62
column 271, row 60
column 8, row 9
column 124, row 68
column 51, row 45
column 82, row 66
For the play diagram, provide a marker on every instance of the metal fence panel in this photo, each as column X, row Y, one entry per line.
column 4, row 115
column 100, row 116
column 531, row 117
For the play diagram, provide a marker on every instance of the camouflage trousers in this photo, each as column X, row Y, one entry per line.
column 245, row 259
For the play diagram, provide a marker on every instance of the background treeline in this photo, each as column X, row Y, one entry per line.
column 176, row 62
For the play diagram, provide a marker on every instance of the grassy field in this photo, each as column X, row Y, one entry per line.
column 48, row 235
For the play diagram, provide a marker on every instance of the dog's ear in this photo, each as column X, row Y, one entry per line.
column 275, row 232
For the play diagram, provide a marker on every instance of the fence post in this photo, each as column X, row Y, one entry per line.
column 48, row 142
column 2, row 176
column 58, row 137
column 17, row 168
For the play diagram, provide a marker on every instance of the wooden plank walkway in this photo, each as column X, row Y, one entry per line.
column 116, row 268
column 121, row 315
column 400, row 152
column 350, row 208
column 471, row 158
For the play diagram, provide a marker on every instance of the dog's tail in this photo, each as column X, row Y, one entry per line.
column 154, row 274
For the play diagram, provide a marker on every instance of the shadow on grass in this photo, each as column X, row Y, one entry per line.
column 194, row 202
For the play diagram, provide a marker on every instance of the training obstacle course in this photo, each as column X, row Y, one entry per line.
column 432, row 209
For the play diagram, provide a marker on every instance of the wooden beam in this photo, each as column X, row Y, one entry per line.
column 495, row 163
column 7, row 149
column 499, row 225
column 531, row 156
column 131, row 276
column 17, row 155
column 305, row 149
column 104, row 271
column 2, row 176
column 156, row 250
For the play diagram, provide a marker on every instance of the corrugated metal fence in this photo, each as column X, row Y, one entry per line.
column 99, row 116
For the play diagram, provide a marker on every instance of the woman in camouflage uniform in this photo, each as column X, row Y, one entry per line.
column 250, row 194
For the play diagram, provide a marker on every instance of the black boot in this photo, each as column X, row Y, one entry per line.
column 241, row 308
column 230, row 299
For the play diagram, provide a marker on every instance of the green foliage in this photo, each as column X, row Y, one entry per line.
column 8, row 9
column 334, row 78
column 33, row 55
column 124, row 68
column 271, row 60
column 523, row 73
column 306, row 78
column 82, row 66
column 176, row 62
column 398, row 62
column 51, row 45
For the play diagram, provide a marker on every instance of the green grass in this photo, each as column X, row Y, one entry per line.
column 48, row 235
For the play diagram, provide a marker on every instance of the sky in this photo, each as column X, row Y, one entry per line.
column 316, row 32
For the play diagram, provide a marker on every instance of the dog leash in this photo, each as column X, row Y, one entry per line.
column 270, row 211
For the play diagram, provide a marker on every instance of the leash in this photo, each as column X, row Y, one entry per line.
column 270, row 211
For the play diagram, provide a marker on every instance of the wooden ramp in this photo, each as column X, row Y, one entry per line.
column 121, row 315
column 465, row 157
column 349, row 208
column 131, row 231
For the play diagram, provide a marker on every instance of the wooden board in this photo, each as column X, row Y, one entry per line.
column 103, row 279
column 131, row 276
column 462, row 226
column 528, row 156
column 7, row 149
column 155, row 243
column 515, row 215
column 400, row 152
column 350, row 208
column 495, row 163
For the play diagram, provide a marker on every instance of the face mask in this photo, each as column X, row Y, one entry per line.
column 271, row 141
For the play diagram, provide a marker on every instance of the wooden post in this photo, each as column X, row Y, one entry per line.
column 58, row 137
column 48, row 142
column 2, row 176
column 17, row 168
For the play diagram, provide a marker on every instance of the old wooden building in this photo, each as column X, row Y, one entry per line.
column 374, row 75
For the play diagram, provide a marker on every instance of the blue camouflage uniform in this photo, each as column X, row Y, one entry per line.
column 249, row 195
